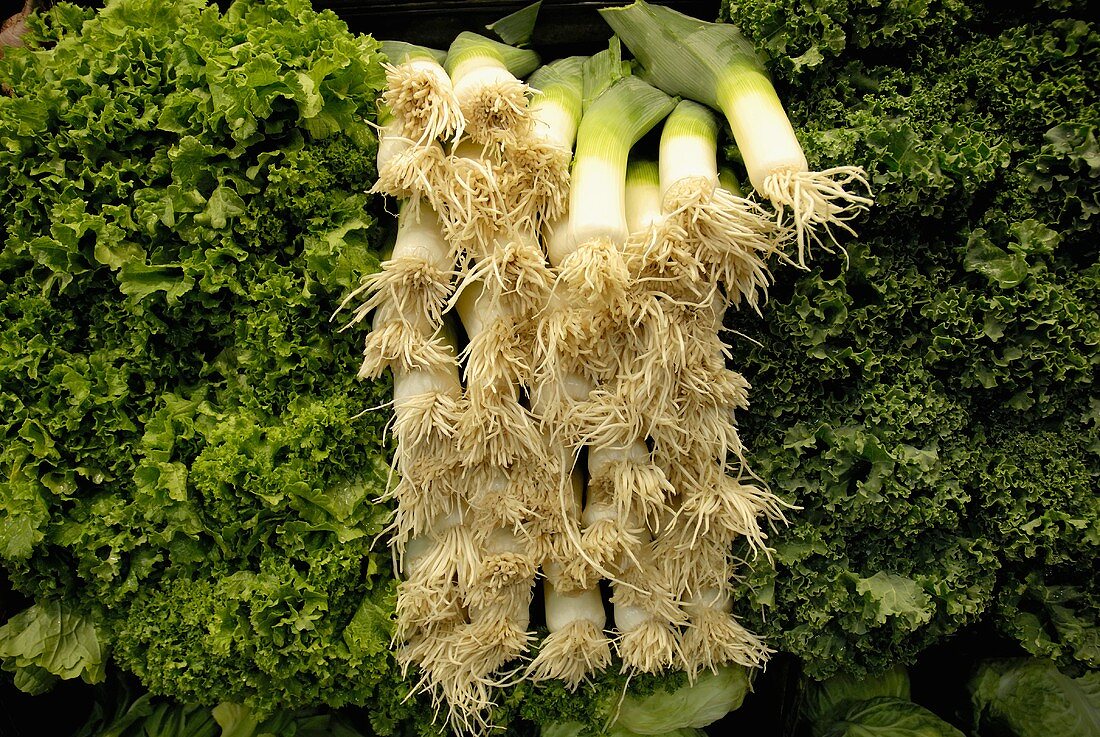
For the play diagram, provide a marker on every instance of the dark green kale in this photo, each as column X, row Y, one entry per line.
column 928, row 398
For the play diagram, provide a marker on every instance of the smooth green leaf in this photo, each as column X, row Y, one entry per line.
column 1032, row 698
column 887, row 716
column 515, row 29
column 711, row 697
column 48, row 638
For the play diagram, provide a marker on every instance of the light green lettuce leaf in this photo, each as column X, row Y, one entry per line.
column 826, row 700
column 711, row 697
column 46, row 642
column 1032, row 698
column 887, row 716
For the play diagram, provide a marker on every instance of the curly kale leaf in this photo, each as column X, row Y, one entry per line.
column 927, row 397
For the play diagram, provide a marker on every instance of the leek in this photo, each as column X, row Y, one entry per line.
column 714, row 638
column 537, row 168
column 714, row 64
column 593, row 269
column 406, row 170
column 576, row 646
column 419, row 93
column 486, row 77
column 729, row 236
column 417, row 277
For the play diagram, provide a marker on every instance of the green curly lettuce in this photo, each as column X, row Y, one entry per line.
column 186, row 463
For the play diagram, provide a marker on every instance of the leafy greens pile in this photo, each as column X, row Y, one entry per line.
column 187, row 473
column 927, row 398
column 186, row 484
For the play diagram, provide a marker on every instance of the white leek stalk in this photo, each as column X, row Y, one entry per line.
column 629, row 478
column 643, row 197
column 428, row 407
column 446, row 551
column 691, row 564
column 407, row 297
column 417, row 277
column 714, row 64
column 715, row 503
column 472, row 666
column 729, row 235
column 514, row 272
column 419, row 93
column 486, row 78
column 554, row 497
column 426, row 598
column 607, row 542
column 576, row 646
column 573, row 337
column 472, row 207
column 646, row 643
column 593, row 269
column 401, row 342
column 537, row 167
column 496, row 428
column 669, row 357
column 713, row 636
column 406, row 170
column 497, row 495
column 699, row 424
column 559, row 552
column 506, row 571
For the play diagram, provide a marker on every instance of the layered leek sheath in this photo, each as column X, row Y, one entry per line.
column 617, row 544
column 712, row 63
column 673, row 363
column 537, row 167
column 486, row 77
column 729, row 236
column 428, row 407
column 496, row 428
column 714, row 638
column 407, row 170
column 509, row 480
column 587, row 248
column 511, row 271
column 576, row 646
column 415, row 282
column 419, row 93
column 593, row 269
column 648, row 617
column 671, row 360
column 498, row 197
column 473, row 207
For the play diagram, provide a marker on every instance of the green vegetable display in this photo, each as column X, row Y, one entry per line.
column 927, row 397
column 130, row 715
column 678, row 712
column 890, row 717
column 192, row 475
column 826, row 701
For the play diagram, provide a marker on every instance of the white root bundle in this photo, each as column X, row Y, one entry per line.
column 479, row 490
